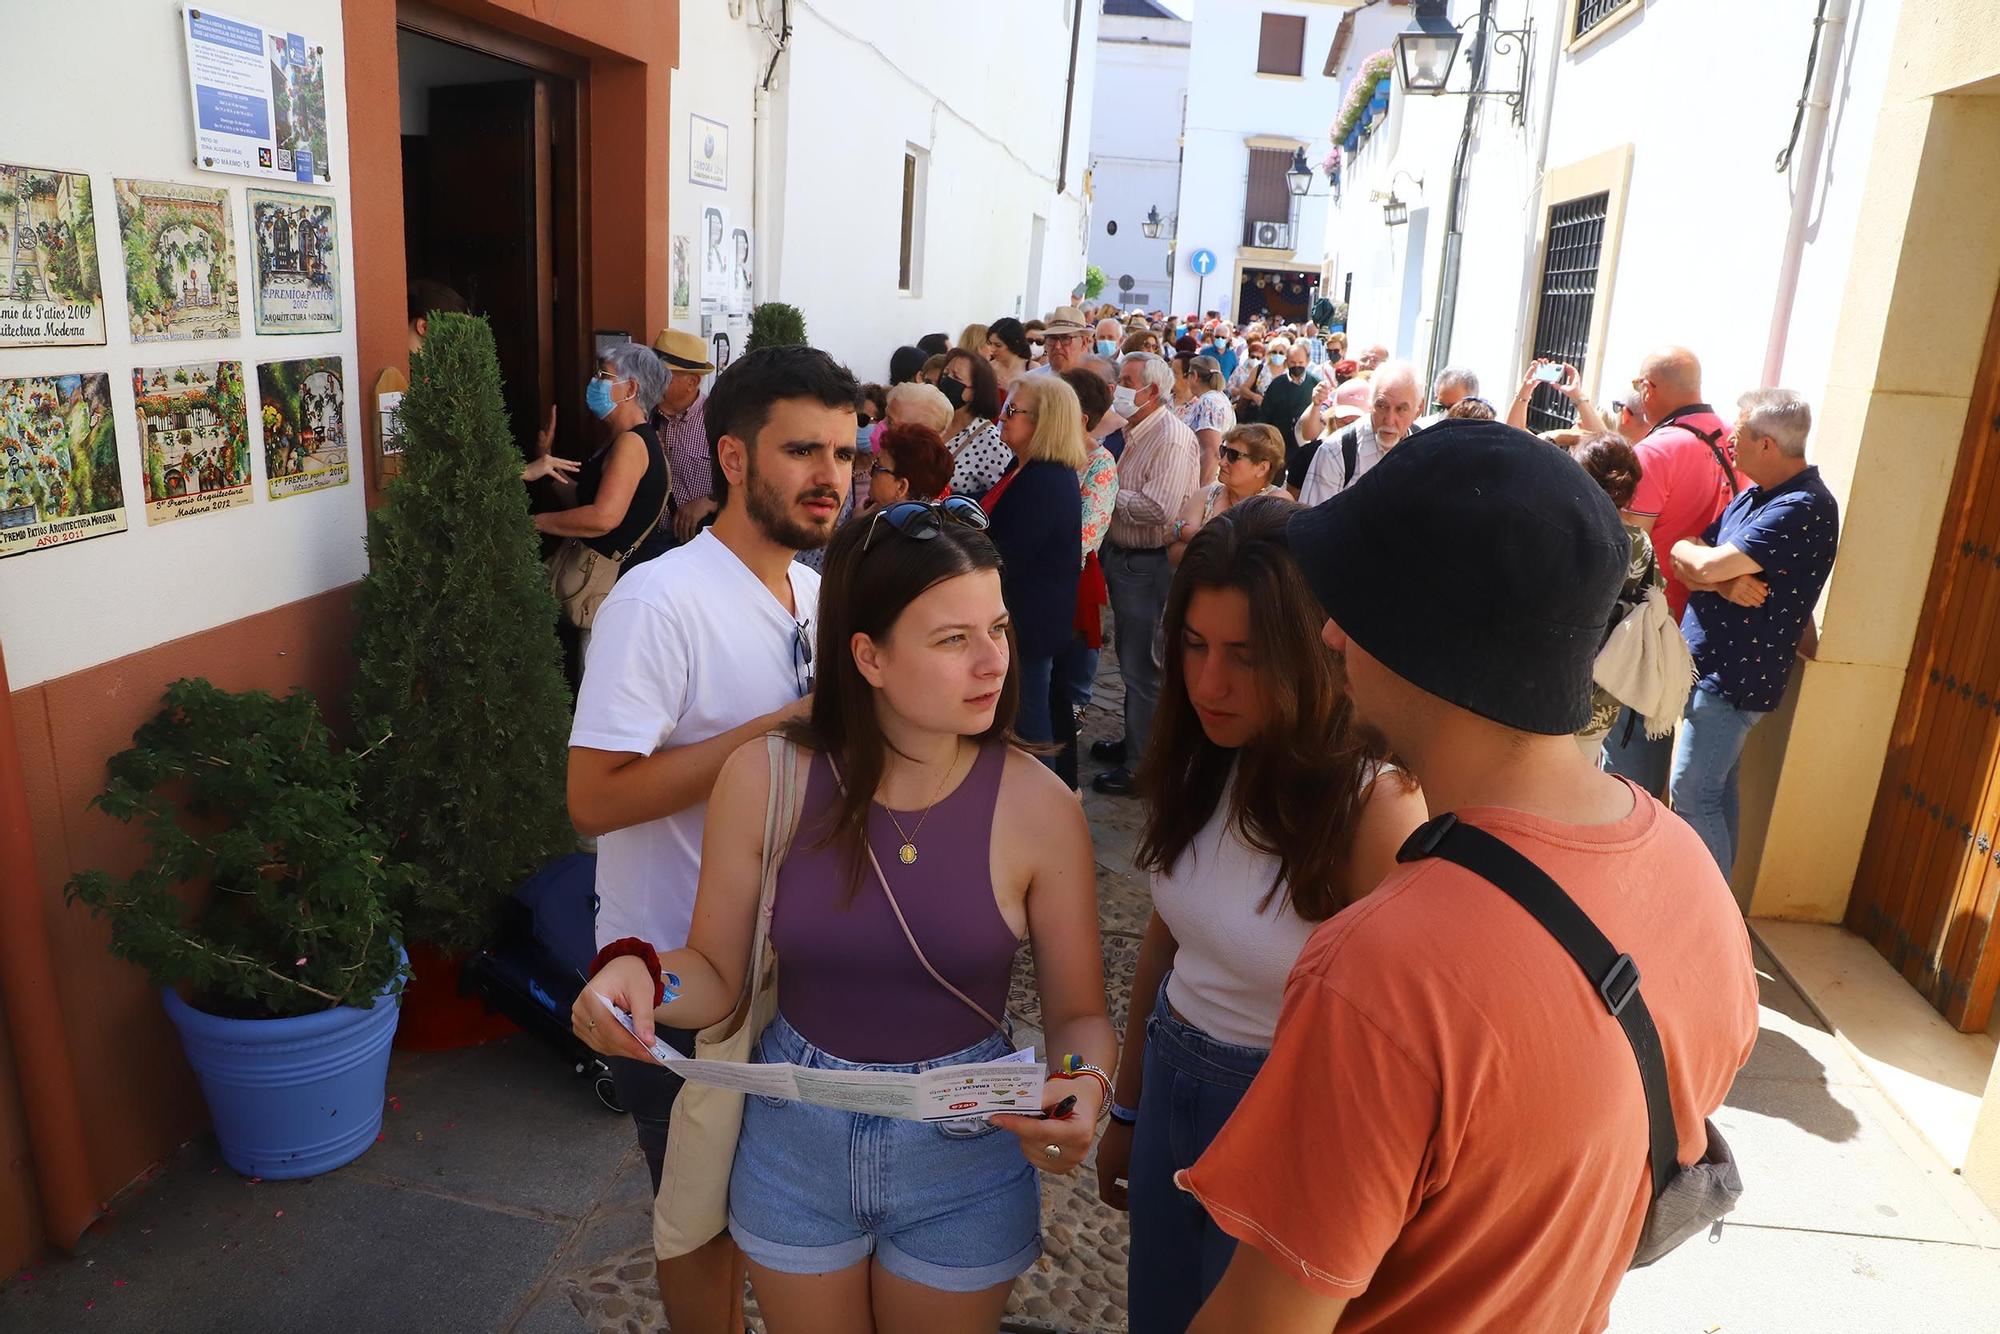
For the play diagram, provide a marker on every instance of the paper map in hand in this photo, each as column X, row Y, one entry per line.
column 948, row 1093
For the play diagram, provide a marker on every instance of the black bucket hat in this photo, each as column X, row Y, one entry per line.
column 1477, row 562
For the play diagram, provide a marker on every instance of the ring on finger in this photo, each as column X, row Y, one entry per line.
column 1052, row 1150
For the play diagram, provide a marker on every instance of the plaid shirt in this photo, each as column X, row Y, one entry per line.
column 685, row 440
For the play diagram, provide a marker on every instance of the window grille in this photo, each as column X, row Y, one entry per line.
column 1590, row 13
column 1569, row 290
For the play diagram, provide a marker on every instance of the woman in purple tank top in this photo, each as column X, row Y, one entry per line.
column 864, row 1223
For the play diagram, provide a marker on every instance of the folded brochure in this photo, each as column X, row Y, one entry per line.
column 1012, row 1084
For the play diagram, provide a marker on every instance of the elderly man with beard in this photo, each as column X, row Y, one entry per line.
column 690, row 656
column 1348, row 454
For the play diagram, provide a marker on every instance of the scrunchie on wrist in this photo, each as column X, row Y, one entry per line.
column 638, row 949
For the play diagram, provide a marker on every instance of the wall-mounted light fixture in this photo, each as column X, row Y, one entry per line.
column 1428, row 48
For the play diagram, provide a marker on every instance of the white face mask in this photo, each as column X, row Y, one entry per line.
column 1125, row 401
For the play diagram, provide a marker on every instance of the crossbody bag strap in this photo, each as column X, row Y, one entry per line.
column 1715, row 448
column 650, row 528
column 897, row 908
column 1613, row 974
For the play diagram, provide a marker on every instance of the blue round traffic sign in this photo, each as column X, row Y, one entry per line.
column 1202, row 261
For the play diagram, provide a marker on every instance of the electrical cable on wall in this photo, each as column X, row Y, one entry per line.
column 1784, row 161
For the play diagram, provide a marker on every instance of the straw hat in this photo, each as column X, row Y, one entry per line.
column 683, row 351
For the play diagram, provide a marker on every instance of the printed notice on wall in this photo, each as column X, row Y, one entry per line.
column 59, row 479
column 50, row 294
column 194, row 439
column 258, row 96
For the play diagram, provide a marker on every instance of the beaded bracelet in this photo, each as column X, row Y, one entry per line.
column 1073, row 1066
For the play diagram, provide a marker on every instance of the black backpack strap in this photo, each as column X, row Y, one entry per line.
column 1613, row 974
column 1714, row 442
column 1350, row 454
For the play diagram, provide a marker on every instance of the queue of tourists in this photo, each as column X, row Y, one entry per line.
column 1389, row 661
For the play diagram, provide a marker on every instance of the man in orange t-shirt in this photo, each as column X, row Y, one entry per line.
column 1450, row 1132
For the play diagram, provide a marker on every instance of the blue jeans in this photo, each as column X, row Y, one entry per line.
column 1193, row 1083
column 951, row 1205
column 1643, row 760
column 1032, row 721
column 1138, row 580
column 1076, row 672
column 1705, row 766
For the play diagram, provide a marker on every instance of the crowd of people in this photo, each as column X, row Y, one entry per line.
column 1356, row 1085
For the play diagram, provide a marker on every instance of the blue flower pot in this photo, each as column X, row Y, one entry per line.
column 291, row 1097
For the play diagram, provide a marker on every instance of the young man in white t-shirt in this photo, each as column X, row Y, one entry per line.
column 692, row 655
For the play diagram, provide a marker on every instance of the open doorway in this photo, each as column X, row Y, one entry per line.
column 491, row 208
column 1281, row 295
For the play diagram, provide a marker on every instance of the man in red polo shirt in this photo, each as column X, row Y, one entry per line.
column 1688, row 463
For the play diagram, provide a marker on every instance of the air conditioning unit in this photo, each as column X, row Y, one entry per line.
column 1272, row 235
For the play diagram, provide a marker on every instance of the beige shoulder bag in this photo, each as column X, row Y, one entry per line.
column 581, row 576
column 692, row 1207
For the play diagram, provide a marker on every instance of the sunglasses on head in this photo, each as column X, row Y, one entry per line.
column 802, row 660
column 925, row 519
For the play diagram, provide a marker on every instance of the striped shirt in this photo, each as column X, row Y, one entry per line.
column 1157, row 471
column 685, row 438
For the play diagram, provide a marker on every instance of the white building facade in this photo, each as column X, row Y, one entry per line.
column 1135, row 148
column 1259, row 93
column 899, row 169
column 1619, row 203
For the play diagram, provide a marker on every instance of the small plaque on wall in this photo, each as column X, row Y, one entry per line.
column 388, row 425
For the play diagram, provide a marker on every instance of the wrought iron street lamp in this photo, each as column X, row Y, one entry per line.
column 1395, row 212
column 1426, row 50
column 1299, row 176
column 1151, row 226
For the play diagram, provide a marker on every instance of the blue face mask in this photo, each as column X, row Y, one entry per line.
column 1106, row 348
column 597, row 397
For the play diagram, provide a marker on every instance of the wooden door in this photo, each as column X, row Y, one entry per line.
column 1926, row 891
column 488, row 215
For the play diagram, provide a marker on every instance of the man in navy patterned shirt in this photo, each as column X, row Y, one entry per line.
column 1755, row 576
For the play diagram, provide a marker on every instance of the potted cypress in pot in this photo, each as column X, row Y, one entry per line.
column 288, row 956
column 459, row 673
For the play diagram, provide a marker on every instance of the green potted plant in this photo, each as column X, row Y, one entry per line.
column 459, row 674
column 289, row 957
column 776, row 324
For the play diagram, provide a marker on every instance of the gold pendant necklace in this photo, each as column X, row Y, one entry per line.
column 907, row 854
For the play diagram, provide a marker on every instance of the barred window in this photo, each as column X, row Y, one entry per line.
column 1569, row 290
column 1590, row 13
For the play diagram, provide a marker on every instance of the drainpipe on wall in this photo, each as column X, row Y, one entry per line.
column 765, row 278
column 1446, row 311
column 1829, row 37
column 34, row 1011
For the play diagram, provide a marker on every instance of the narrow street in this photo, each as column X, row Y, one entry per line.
column 504, row 1198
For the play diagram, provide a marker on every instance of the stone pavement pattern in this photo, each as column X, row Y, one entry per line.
column 502, row 1197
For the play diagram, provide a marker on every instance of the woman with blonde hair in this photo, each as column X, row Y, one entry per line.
column 973, row 339
column 1252, row 464
column 915, row 401
column 1037, row 522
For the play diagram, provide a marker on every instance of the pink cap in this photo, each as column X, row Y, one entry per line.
column 1351, row 400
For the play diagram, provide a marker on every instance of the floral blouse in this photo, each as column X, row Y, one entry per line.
column 979, row 458
column 1209, row 412
column 1100, row 489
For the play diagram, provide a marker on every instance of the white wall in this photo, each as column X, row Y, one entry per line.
column 1228, row 101
column 71, row 607
column 1705, row 216
column 980, row 89
column 1135, row 123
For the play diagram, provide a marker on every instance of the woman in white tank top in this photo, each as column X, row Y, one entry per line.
column 1267, row 812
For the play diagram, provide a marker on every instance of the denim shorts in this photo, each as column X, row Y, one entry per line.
column 953, row 1206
